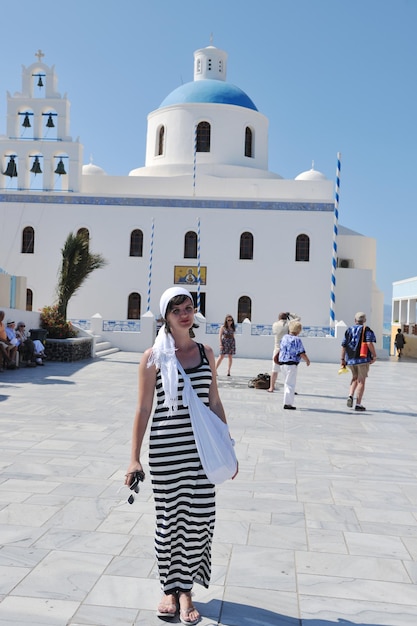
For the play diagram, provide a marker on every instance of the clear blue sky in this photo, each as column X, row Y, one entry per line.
column 331, row 75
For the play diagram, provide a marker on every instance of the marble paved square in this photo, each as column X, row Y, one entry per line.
column 318, row 529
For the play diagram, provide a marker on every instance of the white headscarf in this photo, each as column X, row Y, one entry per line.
column 163, row 352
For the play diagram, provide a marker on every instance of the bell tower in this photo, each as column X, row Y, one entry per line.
column 38, row 153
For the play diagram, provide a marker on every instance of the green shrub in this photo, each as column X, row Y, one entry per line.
column 56, row 325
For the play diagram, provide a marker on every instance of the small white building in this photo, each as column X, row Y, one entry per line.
column 203, row 206
column 404, row 314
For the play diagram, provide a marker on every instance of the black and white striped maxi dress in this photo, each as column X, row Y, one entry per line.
column 184, row 497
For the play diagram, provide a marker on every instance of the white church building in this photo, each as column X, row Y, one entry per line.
column 204, row 211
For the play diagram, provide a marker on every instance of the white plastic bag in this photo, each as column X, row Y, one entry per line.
column 213, row 441
column 212, row 437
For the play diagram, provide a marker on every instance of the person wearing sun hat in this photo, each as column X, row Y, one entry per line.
column 12, row 341
column 184, row 497
column 358, row 353
column 5, row 346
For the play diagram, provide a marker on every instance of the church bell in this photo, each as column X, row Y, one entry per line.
column 60, row 169
column 36, row 167
column 11, row 169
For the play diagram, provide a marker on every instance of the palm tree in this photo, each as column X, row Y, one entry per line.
column 77, row 265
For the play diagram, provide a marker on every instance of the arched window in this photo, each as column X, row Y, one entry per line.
column 136, row 243
column 28, row 240
column 29, row 300
column 190, row 245
column 248, row 142
column 302, row 248
column 246, row 246
column 83, row 232
column 161, row 141
column 244, row 309
column 133, row 306
column 203, row 137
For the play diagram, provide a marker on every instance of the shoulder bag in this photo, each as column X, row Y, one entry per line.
column 211, row 434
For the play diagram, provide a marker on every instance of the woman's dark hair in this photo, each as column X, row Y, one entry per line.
column 175, row 301
column 232, row 324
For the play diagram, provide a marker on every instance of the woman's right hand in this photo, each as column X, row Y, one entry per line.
column 133, row 467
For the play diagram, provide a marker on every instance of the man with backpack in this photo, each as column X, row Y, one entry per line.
column 358, row 353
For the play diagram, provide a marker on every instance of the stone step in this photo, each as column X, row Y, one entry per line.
column 105, row 352
column 102, row 347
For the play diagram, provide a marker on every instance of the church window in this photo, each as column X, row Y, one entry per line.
column 248, row 142
column 190, row 245
column 302, row 248
column 220, row 66
column 209, row 65
column 84, row 233
column 29, row 300
column 198, row 66
column 244, row 309
column 28, row 240
column 203, row 137
column 246, row 246
column 133, row 306
column 161, row 141
column 136, row 243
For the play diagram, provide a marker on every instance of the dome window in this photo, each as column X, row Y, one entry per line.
column 248, row 142
column 161, row 141
column 203, row 137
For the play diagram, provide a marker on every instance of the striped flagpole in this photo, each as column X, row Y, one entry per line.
column 198, row 266
column 195, row 159
column 334, row 259
column 148, row 307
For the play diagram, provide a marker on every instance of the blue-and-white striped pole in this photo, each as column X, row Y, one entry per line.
column 195, row 159
column 334, row 259
column 198, row 266
column 148, row 307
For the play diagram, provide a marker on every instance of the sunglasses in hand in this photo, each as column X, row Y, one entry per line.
column 137, row 477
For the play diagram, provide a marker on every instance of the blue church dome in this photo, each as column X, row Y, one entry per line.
column 211, row 91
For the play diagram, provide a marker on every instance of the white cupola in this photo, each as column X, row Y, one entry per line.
column 210, row 63
column 206, row 126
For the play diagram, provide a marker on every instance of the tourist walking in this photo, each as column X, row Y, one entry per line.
column 291, row 351
column 227, row 342
column 279, row 329
column 184, row 497
column 358, row 353
column 399, row 343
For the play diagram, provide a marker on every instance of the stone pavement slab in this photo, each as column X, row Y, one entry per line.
column 318, row 529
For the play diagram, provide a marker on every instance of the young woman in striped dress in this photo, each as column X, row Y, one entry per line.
column 184, row 497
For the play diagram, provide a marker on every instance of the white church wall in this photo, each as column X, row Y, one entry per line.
column 273, row 279
column 362, row 251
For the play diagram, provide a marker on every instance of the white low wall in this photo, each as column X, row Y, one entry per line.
column 319, row 349
column 248, row 346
